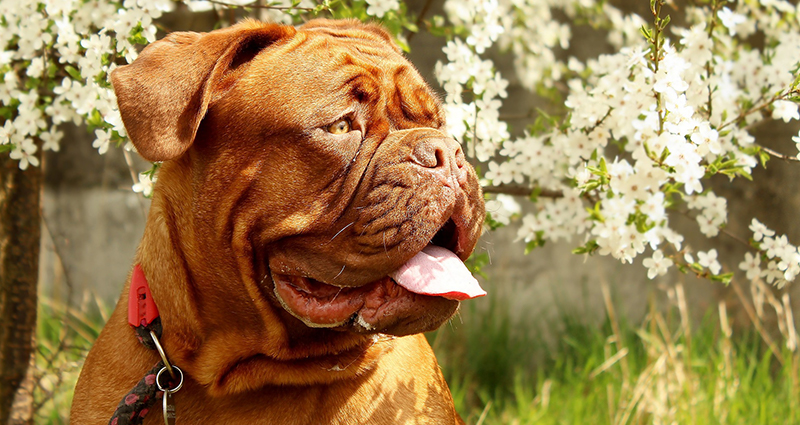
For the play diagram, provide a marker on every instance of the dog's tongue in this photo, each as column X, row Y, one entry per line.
column 439, row 272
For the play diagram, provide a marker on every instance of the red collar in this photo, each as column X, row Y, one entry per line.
column 142, row 309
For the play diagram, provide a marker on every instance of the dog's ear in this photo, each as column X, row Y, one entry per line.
column 165, row 93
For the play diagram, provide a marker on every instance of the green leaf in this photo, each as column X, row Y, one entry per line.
column 492, row 223
column 589, row 248
column 74, row 73
column 536, row 243
column 476, row 262
column 646, row 33
column 95, row 119
column 534, row 196
column 594, row 213
column 641, row 222
column 664, row 22
column 589, row 186
column 763, row 158
column 7, row 112
column 153, row 170
column 725, row 278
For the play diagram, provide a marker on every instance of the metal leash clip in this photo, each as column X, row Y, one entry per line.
column 168, row 404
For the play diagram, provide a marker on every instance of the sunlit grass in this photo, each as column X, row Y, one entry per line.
column 663, row 371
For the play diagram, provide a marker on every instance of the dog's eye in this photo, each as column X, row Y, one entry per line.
column 341, row 126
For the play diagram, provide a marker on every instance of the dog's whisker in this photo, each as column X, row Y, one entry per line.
column 337, row 294
column 340, row 231
column 340, row 272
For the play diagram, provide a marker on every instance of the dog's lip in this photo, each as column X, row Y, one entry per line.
column 433, row 275
column 322, row 305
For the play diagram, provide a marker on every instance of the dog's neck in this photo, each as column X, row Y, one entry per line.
column 259, row 345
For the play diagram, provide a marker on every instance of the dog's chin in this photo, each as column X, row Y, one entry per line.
column 382, row 306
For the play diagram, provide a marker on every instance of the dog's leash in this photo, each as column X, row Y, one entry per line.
column 143, row 317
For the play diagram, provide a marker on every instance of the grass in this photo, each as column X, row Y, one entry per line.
column 64, row 336
column 662, row 371
column 501, row 371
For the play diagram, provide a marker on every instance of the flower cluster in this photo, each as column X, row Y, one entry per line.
column 55, row 61
column 474, row 119
column 782, row 258
column 644, row 128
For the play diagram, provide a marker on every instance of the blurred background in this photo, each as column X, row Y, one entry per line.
column 561, row 338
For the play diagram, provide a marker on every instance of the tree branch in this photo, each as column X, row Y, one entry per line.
column 779, row 155
column 420, row 18
column 757, row 108
column 518, row 190
column 260, row 6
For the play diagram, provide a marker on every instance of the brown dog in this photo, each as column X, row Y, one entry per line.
column 302, row 168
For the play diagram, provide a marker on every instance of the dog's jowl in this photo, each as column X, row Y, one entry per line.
column 310, row 221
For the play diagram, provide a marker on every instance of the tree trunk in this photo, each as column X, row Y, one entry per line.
column 20, row 231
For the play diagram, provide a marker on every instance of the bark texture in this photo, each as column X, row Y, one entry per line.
column 20, row 231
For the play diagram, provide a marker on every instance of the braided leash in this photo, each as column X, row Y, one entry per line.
column 132, row 409
column 144, row 318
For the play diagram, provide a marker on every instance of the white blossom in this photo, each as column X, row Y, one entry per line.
column 25, row 153
column 785, row 110
column 144, row 185
column 378, row 8
column 657, row 265
column 751, row 265
column 730, row 19
column 760, row 230
column 709, row 260
column 503, row 208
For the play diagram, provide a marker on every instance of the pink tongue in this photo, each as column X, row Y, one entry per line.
column 438, row 271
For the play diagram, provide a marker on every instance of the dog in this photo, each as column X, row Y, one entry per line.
column 310, row 221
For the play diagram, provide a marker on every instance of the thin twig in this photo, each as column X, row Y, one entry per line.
column 515, row 190
column 507, row 117
column 129, row 161
column 779, row 155
column 754, row 109
column 735, row 237
column 420, row 18
column 714, row 9
column 721, row 230
column 260, row 6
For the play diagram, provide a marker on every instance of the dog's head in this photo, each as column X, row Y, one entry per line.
column 312, row 164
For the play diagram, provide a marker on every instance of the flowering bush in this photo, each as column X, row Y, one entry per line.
column 642, row 130
column 626, row 137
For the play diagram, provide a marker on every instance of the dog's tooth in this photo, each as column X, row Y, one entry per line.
column 361, row 322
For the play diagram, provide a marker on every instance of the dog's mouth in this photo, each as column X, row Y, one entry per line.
column 417, row 297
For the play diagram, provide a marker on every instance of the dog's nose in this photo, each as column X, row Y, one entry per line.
column 441, row 156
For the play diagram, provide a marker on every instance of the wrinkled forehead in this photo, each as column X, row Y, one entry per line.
column 357, row 58
column 326, row 69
